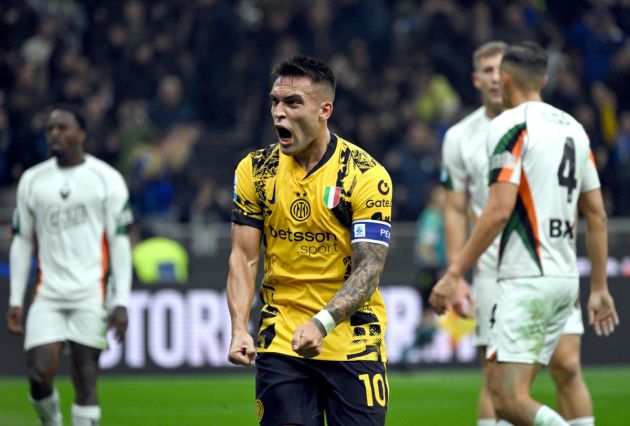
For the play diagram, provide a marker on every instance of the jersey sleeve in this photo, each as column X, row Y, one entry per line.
column 506, row 145
column 372, row 207
column 591, row 178
column 118, row 221
column 453, row 175
column 246, row 209
column 119, row 216
column 23, row 223
column 22, row 245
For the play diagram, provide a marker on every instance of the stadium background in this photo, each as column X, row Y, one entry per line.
column 176, row 92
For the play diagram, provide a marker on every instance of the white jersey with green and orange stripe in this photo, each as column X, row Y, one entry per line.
column 546, row 153
column 465, row 169
column 71, row 213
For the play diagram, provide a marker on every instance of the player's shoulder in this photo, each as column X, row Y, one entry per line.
column 39, row 171
column 359, row 158
column 106, row 174
column 510, row 118
column 467, row 125
column 101, row 167
column 98, row 164
column 263, row 160
column 555, row 115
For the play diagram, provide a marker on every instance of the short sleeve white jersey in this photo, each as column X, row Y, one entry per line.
column 546, row 153
column 71, row 213
column 465, row 169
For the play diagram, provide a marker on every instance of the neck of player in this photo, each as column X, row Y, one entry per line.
column 71, row 160
column 521, row 96
column 312, row 155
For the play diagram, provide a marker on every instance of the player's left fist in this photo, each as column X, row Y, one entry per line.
column 118, row 320
column 307, row 340
column 14, row 320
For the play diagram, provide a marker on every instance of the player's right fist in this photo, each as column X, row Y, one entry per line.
column 14, row 320
column 242, row 349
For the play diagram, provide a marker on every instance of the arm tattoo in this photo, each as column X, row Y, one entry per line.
column 368, row 260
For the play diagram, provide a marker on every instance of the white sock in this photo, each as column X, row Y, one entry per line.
column 502, row 422
column 85, row 415
column 545, row 416
column 47, row 409
column 582, row 421
column 486, row 422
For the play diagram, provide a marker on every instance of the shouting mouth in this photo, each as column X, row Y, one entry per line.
column 284, row 135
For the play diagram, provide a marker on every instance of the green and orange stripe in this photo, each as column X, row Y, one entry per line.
column 524, row 222
column 511, row 142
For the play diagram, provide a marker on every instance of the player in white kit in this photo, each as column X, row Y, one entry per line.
column 465, row 175
column 73, row 210
column 541, row 170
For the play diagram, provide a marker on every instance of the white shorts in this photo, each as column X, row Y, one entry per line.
column 574, row 324
column 530, row 317
column 47, row 323
column 485, row 291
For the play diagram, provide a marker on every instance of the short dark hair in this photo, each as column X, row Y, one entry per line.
column 305, row 66
column 72, row 109
column 527, row 61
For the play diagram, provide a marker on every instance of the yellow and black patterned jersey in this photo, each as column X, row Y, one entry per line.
column 309, row 221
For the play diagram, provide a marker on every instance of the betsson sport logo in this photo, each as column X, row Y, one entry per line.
column 313, row 243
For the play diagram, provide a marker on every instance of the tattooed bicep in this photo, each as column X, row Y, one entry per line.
column 370, row 255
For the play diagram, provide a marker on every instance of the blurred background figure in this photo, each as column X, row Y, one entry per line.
column 430, row 255
column 159, row 260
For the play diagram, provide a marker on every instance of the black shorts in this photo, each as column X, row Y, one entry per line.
column 298, row 391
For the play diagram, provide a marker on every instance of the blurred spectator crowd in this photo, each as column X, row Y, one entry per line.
column 175, row 92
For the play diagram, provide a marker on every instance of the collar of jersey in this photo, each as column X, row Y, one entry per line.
column 330, row 150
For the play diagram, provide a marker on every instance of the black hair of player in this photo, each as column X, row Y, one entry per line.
column 527, row 55
column 305, row 66
column 72, row 109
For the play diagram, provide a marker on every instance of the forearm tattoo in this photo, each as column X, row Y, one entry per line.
column 368, row 260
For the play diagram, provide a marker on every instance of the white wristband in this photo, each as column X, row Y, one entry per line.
column 326, row 319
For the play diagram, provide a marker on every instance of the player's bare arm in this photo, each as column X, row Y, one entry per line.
column 455, row 223
column 20, row 260
column 501, row 201
column 368, row 260
column 241, row 284
column 601, row 306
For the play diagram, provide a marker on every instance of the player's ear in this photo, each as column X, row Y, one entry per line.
column 544, row 81
column 325, row 110
column 83, row 137
column 475, row 80
column 505, row 78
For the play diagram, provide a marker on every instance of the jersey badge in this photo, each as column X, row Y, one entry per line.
column 331, row 196
column 64, row 192
column 300, row 208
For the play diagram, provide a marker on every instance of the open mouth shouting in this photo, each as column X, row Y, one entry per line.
column 284, row 135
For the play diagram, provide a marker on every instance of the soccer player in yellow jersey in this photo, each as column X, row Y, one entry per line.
column 321, row 207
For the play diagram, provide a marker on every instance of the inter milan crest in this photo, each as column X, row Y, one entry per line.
column 300, row 208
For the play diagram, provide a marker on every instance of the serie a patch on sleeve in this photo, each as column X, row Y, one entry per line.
column 371, row 231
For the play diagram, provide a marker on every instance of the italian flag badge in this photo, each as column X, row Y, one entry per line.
column 331, row 196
